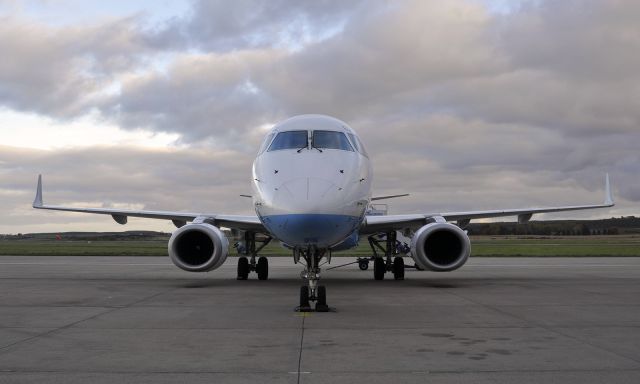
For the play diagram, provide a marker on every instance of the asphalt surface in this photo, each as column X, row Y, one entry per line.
column 141, row 320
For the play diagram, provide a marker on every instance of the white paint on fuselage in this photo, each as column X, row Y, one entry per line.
column 332, row 182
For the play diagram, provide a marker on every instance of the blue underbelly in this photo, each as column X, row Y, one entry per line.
column 322, row 230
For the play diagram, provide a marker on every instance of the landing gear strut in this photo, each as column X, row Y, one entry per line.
column 389, row 260
column 245, row 265
column 312, row 291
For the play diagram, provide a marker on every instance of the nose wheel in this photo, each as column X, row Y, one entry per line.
column 312, row 292
column 320, row 297
column 305, row 305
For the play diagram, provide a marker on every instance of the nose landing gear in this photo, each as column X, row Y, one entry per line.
column 312, row 291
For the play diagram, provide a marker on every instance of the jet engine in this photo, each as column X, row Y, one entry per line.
column 440, row 247
column 198, row 247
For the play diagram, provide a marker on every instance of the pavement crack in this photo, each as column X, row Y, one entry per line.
column 300, row 351
column 5, row 348
column 548, row 328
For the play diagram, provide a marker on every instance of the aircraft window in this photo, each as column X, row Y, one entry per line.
column 289, row 140
column 358, row 144
column 331, row 140
column 266, row 142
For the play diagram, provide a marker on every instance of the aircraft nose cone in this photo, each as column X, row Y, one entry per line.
column 307, row 195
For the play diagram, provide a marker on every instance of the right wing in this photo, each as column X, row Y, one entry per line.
column 373, row 224
column 178, row 218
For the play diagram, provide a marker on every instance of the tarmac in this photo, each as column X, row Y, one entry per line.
column 142, row 320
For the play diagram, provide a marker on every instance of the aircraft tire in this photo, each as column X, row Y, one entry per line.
column 304, row 298
column 322, row 295
column 398, row 268
column 262, row 268
column 243, row 268
column 379, row 269
column 321, row 303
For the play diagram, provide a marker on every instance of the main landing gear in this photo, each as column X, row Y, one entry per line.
column 389, row 261
column 261, row 267
column 312, row 291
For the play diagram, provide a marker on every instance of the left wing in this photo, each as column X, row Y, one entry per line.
column 178, row 218
column 372, row 224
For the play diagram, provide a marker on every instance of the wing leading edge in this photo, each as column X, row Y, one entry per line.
column 178, row 218
column 373, row 224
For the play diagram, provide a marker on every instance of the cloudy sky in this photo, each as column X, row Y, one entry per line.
column 465, row 104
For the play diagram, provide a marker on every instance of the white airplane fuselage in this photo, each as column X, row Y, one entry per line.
column 313, row 195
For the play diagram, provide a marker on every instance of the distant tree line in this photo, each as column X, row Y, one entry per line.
column 613, row 226
column 90, row 236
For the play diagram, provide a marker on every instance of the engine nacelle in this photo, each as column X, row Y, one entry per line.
column 440, row 247
column 198, row 247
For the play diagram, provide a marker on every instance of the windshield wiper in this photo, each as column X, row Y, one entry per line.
column 313, row 146
column 305, row 146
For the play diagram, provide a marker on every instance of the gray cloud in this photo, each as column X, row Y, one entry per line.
column 58, row 71
column 582, row 39
column 228, row 26
column 201, row 97
column 353, row 73
column 460, row 107
column 382, row 55
column 572, row 66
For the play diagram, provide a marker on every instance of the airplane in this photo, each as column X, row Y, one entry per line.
column 311, row 187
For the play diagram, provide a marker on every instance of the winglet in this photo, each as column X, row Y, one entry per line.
column 37, row 202
column 608, row 199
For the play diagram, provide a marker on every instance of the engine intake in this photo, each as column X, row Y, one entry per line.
column 198, row 247
column 440, row 247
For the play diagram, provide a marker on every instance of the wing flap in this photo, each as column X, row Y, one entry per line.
column 376, row 198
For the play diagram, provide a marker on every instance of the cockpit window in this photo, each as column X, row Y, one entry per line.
column 331, row 140
column 289, row 140
column 266, row 142
column 358, row 144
